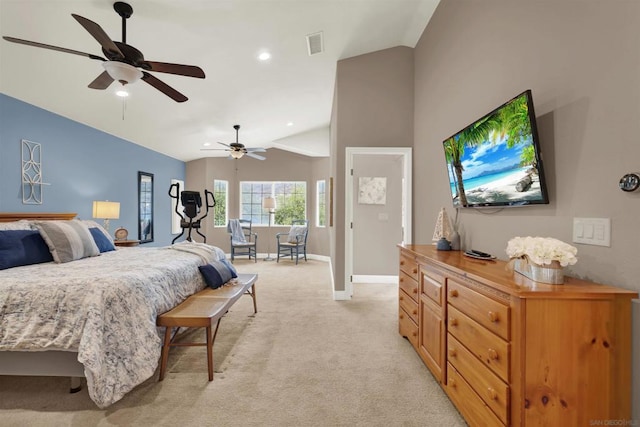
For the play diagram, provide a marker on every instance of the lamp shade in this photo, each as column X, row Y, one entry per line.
column 269, row 203
column 236, row 154
column 106, row 210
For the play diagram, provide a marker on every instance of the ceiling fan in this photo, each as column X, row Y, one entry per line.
column 237, row 150
column 124, row 62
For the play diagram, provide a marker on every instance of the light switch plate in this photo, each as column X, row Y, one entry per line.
column 592, row 231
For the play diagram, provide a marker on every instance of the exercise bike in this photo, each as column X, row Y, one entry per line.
column 191, row 203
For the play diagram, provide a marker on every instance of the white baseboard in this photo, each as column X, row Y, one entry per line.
column 375, row 279
column 341, row 296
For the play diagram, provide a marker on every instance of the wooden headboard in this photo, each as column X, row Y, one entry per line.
column 16, row 216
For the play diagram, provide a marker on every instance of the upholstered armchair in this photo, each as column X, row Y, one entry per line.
column 243, row 240
column 294, row 243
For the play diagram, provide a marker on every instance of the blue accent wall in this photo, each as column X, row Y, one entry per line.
column 82, row 164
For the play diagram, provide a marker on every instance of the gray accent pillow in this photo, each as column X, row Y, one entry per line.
column 295, row 231
column 67, row 240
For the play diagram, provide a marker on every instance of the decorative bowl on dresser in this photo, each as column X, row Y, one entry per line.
column 512, row 352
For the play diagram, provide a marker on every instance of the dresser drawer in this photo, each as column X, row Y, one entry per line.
column 472, row 407
column 408, row 305
column 408, row 328
column 486, row 384
column 432, row 283
column 409, row 266
column 409, row 285
column 492, row 350
column 491, row 314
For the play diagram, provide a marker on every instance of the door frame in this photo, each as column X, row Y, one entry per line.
column 351, row 152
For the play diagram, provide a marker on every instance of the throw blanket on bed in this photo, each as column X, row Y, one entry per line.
column 103, row 307
column 237, row 234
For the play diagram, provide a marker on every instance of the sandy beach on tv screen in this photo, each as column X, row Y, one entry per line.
column 504, row 190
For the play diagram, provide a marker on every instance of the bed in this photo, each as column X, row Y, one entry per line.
column 96, row 316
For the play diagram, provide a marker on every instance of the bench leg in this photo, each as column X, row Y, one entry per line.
column 252, row 291
column 210, row 340
column 165, row 352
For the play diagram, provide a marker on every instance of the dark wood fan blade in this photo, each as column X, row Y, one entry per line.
column 102, row 81
column 179, row 69
column 255, row 156
column 163, row 87
column 48, row 46
column 98, row 33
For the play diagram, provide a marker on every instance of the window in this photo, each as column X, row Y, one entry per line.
column 220, row 191
column 321, row 200
column 291, row 201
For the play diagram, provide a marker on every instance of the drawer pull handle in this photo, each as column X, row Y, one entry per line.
column 415, row 311
column 401, row 280
column 415, row 271
column 402, row 262
column 493, row 317
column 492, row 394
column 415, row 334
column 415, row 290
column 493, row 354
column 453, row 322
column 453, row 293
column 452, row 382
column 401, row 298
column 402, row 316
column 452, row 352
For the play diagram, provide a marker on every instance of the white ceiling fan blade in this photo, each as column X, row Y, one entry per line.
column 226, row 145
column 255, row 156
column 257, row 150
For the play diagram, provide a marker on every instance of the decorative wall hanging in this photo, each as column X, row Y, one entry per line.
column 372, row 191
column 31, row 173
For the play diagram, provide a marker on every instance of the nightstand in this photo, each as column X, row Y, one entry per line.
column 126, row 242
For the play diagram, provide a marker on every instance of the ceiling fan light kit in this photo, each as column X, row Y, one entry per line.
column 123, row 63
column 122, row 72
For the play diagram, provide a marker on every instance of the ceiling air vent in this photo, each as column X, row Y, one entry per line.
column 315, row 44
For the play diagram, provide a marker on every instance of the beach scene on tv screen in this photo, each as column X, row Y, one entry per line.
column 493, row 161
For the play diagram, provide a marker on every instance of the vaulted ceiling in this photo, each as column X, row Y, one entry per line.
column 282, row 102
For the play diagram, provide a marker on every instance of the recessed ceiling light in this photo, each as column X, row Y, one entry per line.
column 264, row 56
column 206, row 144
column 122, row 93
column 290, row 124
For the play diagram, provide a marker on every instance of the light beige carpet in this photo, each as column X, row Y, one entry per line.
column 303, row 360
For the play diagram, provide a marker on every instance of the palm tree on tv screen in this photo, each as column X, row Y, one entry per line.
column 510, row 122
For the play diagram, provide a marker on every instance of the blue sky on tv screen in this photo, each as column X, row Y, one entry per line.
column 490, row 158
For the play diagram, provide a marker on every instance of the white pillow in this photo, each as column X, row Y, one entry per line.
column 296, row 230
column 67, row 240
column 23, row 224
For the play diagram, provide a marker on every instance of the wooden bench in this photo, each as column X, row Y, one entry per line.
column 201, row 310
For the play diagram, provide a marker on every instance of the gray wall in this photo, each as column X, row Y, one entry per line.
column 373, row 107
column 582, row 62
column 82, row 164
column 279, row 166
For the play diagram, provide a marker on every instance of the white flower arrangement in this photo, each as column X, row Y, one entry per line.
column 542, row 250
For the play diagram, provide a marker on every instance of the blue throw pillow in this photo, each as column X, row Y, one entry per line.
column 234, row 272
column 22, row 247
column 102, row 242
column 215, row 274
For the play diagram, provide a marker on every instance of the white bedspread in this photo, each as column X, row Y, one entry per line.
column 104, row 308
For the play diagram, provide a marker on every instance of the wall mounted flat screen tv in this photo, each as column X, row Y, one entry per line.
column 496, row 161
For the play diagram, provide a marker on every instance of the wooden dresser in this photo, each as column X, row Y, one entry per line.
column 512, row 352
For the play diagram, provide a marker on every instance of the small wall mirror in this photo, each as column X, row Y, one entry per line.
column 145, row 207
